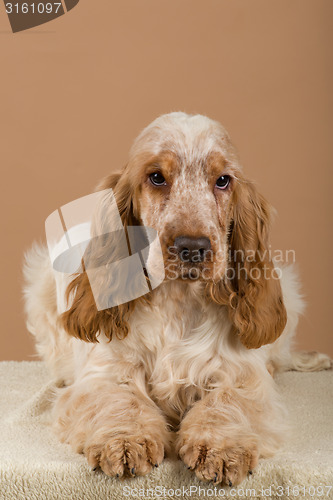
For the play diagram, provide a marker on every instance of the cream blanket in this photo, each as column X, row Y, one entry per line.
column 34, row 465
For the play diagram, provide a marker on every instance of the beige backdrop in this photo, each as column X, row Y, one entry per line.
column 76, row 91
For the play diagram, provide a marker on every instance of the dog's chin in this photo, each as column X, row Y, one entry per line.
column 189, row 273
column 192, row 274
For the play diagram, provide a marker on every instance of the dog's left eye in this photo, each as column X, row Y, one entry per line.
column 157, row 179
column 223, row 182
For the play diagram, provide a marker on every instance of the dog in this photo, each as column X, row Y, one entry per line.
column 188, row 366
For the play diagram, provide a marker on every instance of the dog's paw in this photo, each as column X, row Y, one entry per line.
column 126, row 456
column 221, row 464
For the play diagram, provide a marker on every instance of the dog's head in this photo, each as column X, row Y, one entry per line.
column 184, row 180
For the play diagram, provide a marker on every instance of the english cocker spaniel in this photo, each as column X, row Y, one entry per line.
column 188, row 365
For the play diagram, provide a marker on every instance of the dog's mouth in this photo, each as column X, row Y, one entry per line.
column 193, row 274
column 200, row 264
column 189, row 271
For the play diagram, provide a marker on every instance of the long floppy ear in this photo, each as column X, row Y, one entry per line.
column 255, row 300
column 83, row 320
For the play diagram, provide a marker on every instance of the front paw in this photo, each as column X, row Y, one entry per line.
column 220, row 462
column 119, row 456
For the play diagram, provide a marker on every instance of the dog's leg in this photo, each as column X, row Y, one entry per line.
column 117, row 427
column 223, row 435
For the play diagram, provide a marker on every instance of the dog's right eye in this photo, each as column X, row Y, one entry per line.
column 157, row 179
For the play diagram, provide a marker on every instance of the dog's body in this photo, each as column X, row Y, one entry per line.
column 194, row 358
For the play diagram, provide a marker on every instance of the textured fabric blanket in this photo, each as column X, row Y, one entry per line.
column 34, row 465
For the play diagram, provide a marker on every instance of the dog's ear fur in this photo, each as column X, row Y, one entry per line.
column 83, row 320
column 252, row 290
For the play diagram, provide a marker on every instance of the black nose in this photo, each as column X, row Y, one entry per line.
column 192, row 249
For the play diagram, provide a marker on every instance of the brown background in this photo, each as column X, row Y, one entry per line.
column 76, row 91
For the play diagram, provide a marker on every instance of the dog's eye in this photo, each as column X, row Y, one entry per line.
column 223, row 182
column 157, row 179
